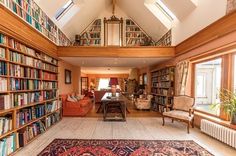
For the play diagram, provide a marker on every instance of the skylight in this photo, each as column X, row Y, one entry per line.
column 159, row 9
column 165, row 10
column 63, row 10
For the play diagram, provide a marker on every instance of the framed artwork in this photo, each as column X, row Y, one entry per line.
column 67, row 76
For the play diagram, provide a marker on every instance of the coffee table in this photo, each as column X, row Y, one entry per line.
column 114, row 108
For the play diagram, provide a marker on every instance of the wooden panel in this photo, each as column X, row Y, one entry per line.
column 222, row 27
column 127, row 52
column 12, row 25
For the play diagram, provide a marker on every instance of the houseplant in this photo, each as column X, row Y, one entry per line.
column 228, row 104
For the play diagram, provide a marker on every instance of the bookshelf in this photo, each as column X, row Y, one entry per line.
column 92, row 35
column 29, row 103
column 165, row 40
column 135, row 36
column 33, row 15
column 163, row 88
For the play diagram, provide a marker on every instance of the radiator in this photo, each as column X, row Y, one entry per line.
column 222, row 133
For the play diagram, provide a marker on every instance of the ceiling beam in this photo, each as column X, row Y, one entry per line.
column 120, row 52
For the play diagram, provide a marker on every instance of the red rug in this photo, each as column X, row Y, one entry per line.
column 76, row 147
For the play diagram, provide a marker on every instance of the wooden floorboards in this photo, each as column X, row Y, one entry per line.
column 145, row 128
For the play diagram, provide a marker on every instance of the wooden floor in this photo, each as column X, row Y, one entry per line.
column 147, row 128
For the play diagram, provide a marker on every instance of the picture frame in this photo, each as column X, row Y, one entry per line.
column 67, row 76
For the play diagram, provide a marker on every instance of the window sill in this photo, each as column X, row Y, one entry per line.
column 215, row 119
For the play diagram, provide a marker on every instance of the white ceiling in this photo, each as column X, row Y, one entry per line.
column 118, row 65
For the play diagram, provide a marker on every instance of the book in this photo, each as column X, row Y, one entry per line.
column 3, row 84
column 26, row 72
column 47, row 95
column 8, row 145
column 49, row 76
column 5, row 102
column 3, row 68
column 49, row 85
column 5, row 124
column 2, row 53
column 23, row 99
column 24, row 84
column 53, row 106
column 52, row 119
column 3, row 39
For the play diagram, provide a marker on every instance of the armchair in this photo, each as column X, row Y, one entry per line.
column 182, row 111
column 141, row 103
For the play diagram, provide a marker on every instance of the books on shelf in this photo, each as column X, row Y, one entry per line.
column 8, row 145
column 5, row 124
column 47, row 95
column 49, row 67
column 5, row 102
column 49, row 76
column 3, row 84
column 2, row 53
column 3, row 39
column 49, row 85
column 24, row 72
column 31, row 131
column 52, row 119
column 3, row 68
column 49, row 59
column 53, row 106
column 22, row 99
column 22, row 84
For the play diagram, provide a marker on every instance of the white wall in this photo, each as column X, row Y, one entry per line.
column 206, row 12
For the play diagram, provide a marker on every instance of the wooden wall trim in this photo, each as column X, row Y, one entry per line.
column 126, row 52
column 221, row 27
column 12, row 25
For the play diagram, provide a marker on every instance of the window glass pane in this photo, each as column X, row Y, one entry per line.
column 207, row 85
column 103, row 83
column 234, row 87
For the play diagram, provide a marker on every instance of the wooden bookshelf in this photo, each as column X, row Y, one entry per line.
column 29, row 101
column 135, row 36
column 91, row 36
column 165, row 40
column 163, row 88
column 33, row 15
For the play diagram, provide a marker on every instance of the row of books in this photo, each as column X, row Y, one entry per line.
column 26, row 60
column 169, row 77
column 28, row 114
column 52, row 119
column 49, row 59
column 3, row 84
column 22, row 84
column 62, row 39
column 165, row 84
column 135, row 34
column 27, row 72
column 8, row 145
column 18, row 99
column 3, row 39
column 129, row 22
column 31, row 131
column 2, row 53
column 49, row 67
column 164, row 72
column 3, row 68
column 90, row 42
column 5, row 124
column 165, row 92
column 53, row 106
column 134, row 41
column 132, row 28
column 47, row 95
column 49, row 76
column 164, row 100
column 49, row 85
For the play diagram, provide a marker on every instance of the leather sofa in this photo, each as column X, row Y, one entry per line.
column 79, row 108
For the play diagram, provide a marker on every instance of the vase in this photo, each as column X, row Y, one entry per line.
column 233, row 119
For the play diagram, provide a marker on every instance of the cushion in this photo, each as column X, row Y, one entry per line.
column 179, row 115
column 70, row 99
column 79, row 97
column 183, row 103
column 83, row 103
column 73, row 97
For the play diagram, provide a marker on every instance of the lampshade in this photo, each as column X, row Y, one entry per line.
column 113, row 81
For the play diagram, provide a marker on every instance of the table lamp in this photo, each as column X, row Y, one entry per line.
column 113, row 83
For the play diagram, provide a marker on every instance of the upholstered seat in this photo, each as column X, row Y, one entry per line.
column 141, row 103
column 182, row 110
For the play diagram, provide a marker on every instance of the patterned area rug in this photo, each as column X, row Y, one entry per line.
column 76, row 147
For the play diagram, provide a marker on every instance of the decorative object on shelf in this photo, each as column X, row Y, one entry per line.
column 113, row 83
column 163, row 88
column 67, row 76
column 181, row 74
column 135, row 36
column 165, row 40
column 228, row 103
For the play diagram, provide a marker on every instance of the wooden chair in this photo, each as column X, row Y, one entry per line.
column 182, row 111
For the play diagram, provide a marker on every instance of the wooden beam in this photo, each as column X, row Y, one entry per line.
column 125, row 52
column 221, row 27
column 12, row 25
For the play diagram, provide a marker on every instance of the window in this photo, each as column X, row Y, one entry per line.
column 165, row 10
column 103, row 83
column 234, row 87
column 62, row 10
column 207, row 85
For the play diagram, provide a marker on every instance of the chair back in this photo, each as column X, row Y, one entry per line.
column 183, row 103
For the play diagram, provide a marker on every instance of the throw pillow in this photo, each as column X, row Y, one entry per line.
column 73, row 97
column 70, row 99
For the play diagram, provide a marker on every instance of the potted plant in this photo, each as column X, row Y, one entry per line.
column 228, row 103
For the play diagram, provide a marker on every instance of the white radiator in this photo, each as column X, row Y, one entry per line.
column 219, row 132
